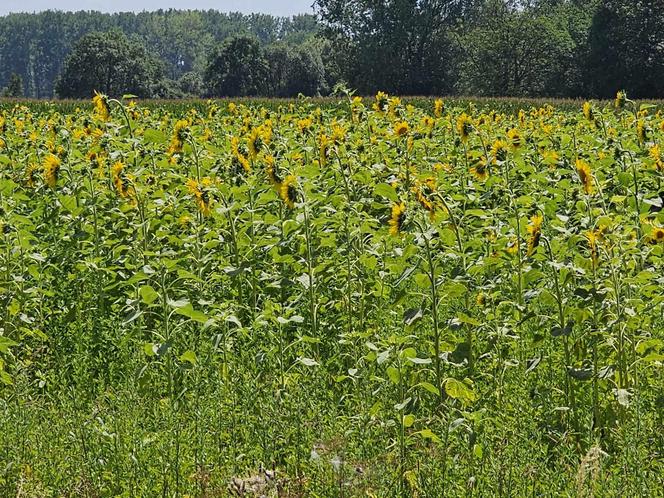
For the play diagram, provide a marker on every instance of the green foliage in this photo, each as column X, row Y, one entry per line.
column 109, row 63
column 359, row 297
column 236, row 69
column 15, row 87
column 627, row 48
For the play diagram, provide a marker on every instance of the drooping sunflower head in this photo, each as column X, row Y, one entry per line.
column 499, row 151
column 52, row 165
column 273, row 173
column 438, row 107
column 119, row 180
column 588, row 111
column 179, row 135
column 585, row 175
column 239, row 155
column 515, row 138
column 480, row 170
column 535, row 232
column 464, row 126
column 593, row 238
column 621, row 99
column 101, row 109
column 424, row 192
column 398, row 218
column 641, row 130
column 382, row 102
column 288, row 191
column 655, row 154
column 200, row 192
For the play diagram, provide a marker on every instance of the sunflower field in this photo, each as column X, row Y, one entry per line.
column 368, row 299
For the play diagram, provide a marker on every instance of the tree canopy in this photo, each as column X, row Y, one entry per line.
column 109, row 63
column 562, row 48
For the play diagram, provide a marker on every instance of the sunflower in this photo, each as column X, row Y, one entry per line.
column 288, row 191
column 239, row 155
column 398, row 218
column 480, row 170
column 585, row 175
column 272, row 173
column 119, row 179
column 324, row 148
column 515, row 138
column 305, row 124
column 401, row 128
column 178, row 137
column 499, row 151
column 438, row 106
column 641, row 130
column 424, row 193
column 382, row 101
column 593, row 237
column 51, row 170
column 535, row 231
column 30, row 175
column 655, row 154
column 588, row 111
column 464, row 126
column 657, row 235
column 621, row 99
column 201, row 195
column 101, row 110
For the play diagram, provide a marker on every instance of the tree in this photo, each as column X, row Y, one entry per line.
column 15, row 87
column 295, row 70
column 236, row 69
column 109, row 63
column 517, row 50
column 627, row 49
column 400, row 46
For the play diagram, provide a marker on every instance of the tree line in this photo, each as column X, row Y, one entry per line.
column 561, row 48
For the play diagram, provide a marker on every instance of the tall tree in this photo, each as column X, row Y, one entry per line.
column 399, row 45
column 109, row 63
column 627, row 48
column 236, row 69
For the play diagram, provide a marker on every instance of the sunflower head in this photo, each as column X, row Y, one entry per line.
column 621, row 99
column 464, row 126
column 515, row 138
column 101, row 109
column 588, row 111
column 288, row 191
column 401, row 128
column 535, row 232
column 585, row 175
column 480, row 170
column 499, row 151
column 657, row 235
column 51, row 170
column 397, row 218
column 438, row 107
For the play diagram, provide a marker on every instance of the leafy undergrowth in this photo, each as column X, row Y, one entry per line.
column 361, row 299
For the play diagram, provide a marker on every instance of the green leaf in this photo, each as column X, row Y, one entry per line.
column 459, row 390
column 189, row 357
column 189, row 311
column 6, row 343
column 393, row 374
column 387, row 191
column 148, row 294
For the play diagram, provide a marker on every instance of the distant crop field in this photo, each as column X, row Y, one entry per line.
column 331, row 297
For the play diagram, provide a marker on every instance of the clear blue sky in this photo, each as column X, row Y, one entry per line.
column 276, row 7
